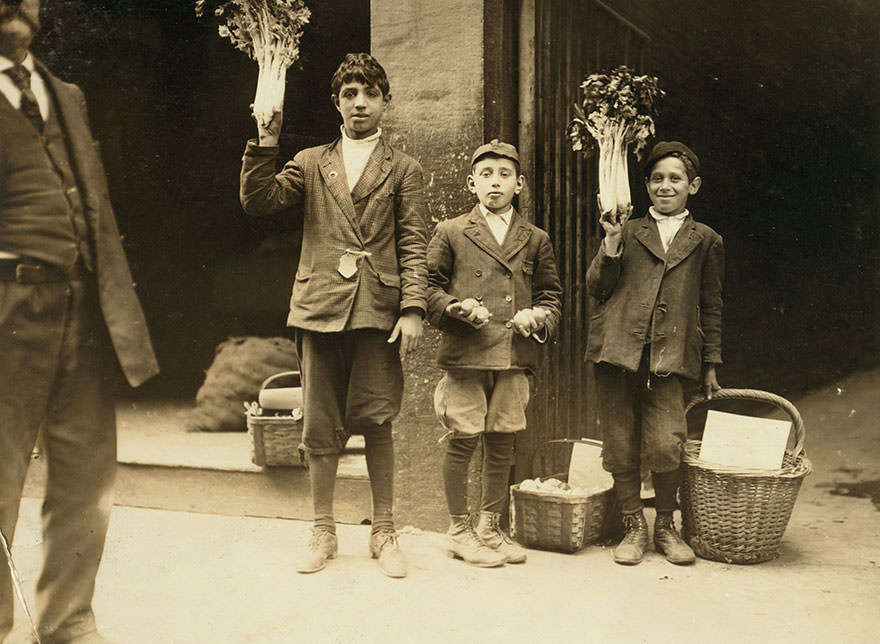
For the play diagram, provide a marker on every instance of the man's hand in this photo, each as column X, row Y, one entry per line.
column 710, row 380
column 470, row 311
column 409, row 329
column 269, row 133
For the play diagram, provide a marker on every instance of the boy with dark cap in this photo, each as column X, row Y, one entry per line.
column 359, row 294
column 494, row 292
column 657, row 281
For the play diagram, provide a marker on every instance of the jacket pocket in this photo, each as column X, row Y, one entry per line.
column 389, row 279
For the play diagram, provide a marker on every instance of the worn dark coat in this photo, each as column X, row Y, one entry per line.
column 383, row 215
column 465, row 260
column 671, row 300
column 119, row 303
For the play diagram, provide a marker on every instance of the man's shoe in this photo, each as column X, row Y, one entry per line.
column 669, row 542
column 632, row 547
column 462, row 542
column 385, row 548
column 493, row 536
column 322, row 546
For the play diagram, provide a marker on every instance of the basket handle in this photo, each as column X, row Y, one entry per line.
column 540, row 448
column 275, row 376
column 761, row 396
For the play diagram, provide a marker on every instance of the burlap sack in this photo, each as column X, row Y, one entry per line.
column 240, row 365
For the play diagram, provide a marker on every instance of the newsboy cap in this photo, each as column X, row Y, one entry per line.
column 668, row 148
column 496, row 148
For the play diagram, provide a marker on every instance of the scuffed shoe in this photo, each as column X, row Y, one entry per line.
column 462, row 542
column 669, row 542
column 322, row 546
column 385, row 548
column 631, row 548
column 493, row 536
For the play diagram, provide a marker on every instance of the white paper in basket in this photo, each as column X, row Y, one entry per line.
column 585, row 469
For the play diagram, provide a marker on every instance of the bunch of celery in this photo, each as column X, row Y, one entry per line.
column 268, row 31
column 617, row 111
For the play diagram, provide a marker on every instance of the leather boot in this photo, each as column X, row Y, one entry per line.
column 493, row 536
column 669, row 542
column 385, row 548
column 322, row 546
column 463, row 543
column 632, row 547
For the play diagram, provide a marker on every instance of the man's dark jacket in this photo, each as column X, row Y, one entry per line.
column 21, row 164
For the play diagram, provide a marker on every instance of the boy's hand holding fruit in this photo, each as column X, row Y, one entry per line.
column 527, row 321
column 470, row 311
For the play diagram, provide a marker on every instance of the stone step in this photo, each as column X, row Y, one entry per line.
column 164, row 466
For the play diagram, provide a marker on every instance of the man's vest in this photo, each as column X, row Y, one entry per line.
column 41, row 209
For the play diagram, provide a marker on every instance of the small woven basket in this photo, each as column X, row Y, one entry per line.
column 275, row 440
column 738, row 515
column 564, row 523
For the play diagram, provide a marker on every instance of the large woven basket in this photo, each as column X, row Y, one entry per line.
column 275, row 439
column 564, row 523
column 738, row 515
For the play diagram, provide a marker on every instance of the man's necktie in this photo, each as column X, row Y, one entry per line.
column 21, row 76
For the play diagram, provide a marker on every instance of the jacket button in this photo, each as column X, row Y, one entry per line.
column 507, row 298
column 478, row 273
column 508, row 324
column 508, row 275
column 478, row 297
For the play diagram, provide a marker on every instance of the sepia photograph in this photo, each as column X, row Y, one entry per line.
column 441, row 321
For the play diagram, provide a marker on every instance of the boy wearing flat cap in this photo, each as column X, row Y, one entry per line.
column 494, row 292
column 657, row 283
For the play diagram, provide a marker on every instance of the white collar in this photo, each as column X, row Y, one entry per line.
column 505, row 216
column 661, row 218
column 6, row 63
column 370, row 140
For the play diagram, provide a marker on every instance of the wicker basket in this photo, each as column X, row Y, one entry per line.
column 738, row 515
column 275, row 440
column 564, row 523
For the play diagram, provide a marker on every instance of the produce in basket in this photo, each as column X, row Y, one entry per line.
column 268, row 31
column 617, row 111
column 555, row 486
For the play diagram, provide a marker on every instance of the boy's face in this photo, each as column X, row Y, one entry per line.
column 361, row 107
column 495, row 182
column 669, row 187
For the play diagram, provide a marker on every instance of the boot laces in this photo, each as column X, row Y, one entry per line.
column 631, row 524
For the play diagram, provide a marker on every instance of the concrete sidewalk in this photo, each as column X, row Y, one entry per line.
column 183, row 578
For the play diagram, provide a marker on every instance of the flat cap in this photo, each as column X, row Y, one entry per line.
column 495, row 148
column 668, row 148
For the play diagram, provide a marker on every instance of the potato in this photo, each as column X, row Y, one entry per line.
column 522, row 319
column 467, row 305
column 482, row 313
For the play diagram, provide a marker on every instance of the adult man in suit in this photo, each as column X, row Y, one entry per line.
column 67, row 303
column 359, row 290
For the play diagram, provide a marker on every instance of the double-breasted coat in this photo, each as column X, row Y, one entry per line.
column 465, row 261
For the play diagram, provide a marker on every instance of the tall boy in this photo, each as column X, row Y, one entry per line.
column 495, row 294
column 359, row 291
column 658, row 283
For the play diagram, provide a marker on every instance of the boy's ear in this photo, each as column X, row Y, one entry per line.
column 695, row 185
column 520, row 184
column 470, row 184
column 335, row 100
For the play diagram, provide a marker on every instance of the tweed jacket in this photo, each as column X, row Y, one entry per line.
column 119, row 303
column 465, row 260
column 671, row 300
column 381, row 221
